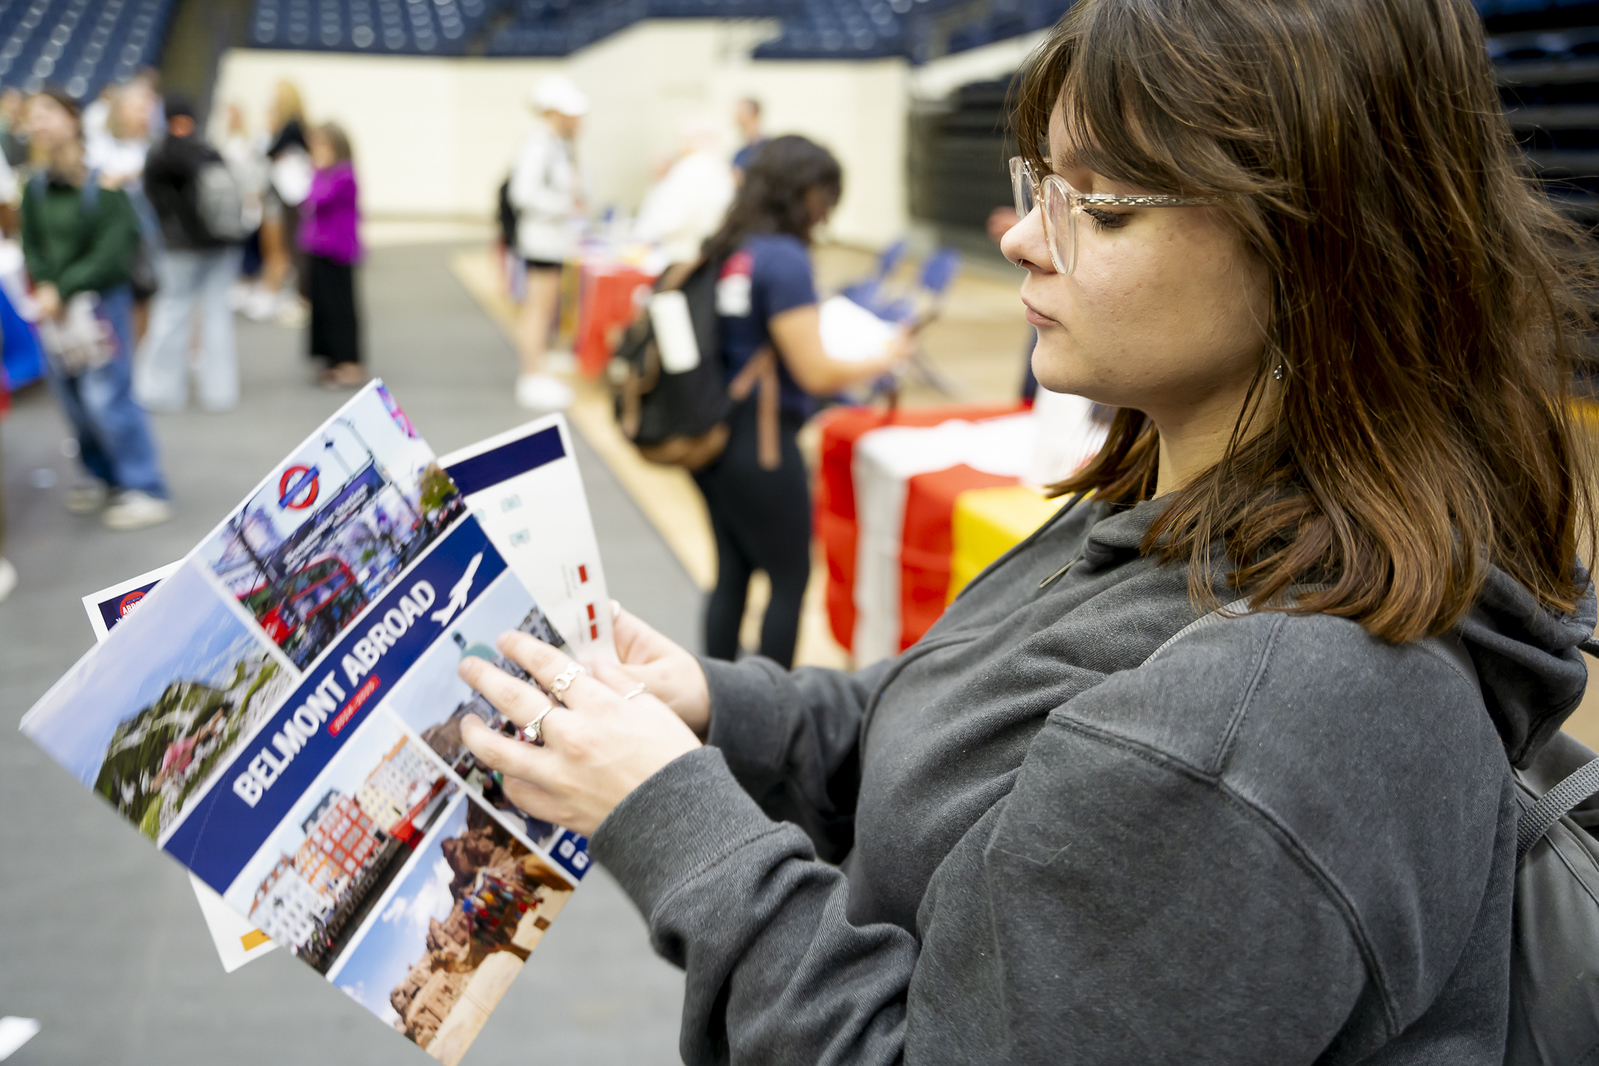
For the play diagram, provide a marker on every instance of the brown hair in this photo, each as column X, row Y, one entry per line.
column 338, row 140
column 1424, row 297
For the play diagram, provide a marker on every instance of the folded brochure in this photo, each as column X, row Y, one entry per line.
column 281, row 712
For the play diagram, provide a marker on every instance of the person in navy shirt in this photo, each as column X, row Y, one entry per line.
column 766, row 303
column 748, row 117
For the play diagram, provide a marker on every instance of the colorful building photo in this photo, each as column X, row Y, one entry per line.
column 149, row 718
column 432, row 699
column 314, row 882
column 453, row 934
column 330, row 530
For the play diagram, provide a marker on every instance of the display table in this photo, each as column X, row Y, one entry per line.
column 988, row 522
column 609, row 295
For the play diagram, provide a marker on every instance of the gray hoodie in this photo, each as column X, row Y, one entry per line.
column 1281, row 841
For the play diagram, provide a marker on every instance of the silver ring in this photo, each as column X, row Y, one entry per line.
column 534, row 730
column 564, row 679
column 639, row 691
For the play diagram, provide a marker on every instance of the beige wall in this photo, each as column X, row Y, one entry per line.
column 436, row 136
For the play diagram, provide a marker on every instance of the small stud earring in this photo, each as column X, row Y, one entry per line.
column 1279, row 372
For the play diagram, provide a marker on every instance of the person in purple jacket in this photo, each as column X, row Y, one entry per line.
column 330, row 220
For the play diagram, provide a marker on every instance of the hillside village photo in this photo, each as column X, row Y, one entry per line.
column 164, row 706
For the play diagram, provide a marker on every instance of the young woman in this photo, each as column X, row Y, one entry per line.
column 330, row 236
column 760, row 506
column 1295, row 245
column 79, row 240
column 287, row 164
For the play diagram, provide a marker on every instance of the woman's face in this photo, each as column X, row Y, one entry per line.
column 49, row 124
column 321, row 150
column 1164, row 312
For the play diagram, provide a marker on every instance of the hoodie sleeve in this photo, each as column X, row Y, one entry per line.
column 1116, row 906
column 792, row 740
column 106, row 261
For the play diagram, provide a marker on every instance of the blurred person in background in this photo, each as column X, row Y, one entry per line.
column 13, row 138
column 757, row 490
column 8, row 572
column 687, row 204
column 79, row 241
column 330, row 236
column 248, row 164
column 288, row 181
column 117, row 156
column 545, row 193
column 196, row 269
column 747, row 117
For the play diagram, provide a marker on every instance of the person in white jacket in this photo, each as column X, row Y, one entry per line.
column 544, row 190
column 687, row 204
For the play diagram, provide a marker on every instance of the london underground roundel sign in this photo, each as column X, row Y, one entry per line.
column 298, row 487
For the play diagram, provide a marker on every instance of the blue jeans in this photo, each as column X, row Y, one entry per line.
column 114, row 441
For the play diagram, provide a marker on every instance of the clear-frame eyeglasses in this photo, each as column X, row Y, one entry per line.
column 1062, row 204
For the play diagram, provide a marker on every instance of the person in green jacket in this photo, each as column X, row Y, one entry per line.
column 79, row 238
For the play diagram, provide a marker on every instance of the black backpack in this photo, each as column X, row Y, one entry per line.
column 1554, row 951
column 679, row 418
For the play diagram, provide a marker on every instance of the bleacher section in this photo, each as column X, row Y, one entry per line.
column 405, row 27
column 79, row 44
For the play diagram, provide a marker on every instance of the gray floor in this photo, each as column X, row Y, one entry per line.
column 100, row 936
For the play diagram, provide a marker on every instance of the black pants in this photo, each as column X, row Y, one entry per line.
column 762, row 521
column 335, row 328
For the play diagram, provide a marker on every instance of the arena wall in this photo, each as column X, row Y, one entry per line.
column 436, row 136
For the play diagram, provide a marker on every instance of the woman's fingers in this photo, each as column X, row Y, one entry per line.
column 546, row 663
column 517, row 700
column 511, row 757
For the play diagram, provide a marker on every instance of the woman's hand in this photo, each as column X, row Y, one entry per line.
column 598, row 747
column 673, row 675
column 48, row 299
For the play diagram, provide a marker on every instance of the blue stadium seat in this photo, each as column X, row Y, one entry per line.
column 79, row 44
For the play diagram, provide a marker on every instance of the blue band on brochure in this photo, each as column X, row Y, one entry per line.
column 507, row 461
column 339, row 691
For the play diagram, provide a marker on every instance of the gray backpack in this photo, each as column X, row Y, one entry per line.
column 1554, row 962
column 219, row 203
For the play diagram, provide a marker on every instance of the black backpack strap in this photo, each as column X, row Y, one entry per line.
column 1554, row 805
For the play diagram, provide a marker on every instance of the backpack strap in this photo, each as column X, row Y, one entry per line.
column 761, row 372
column 1555, row 805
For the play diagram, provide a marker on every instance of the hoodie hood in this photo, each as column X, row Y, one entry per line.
column 1528, row 660
column 1528, row 657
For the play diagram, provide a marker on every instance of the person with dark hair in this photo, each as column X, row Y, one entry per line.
column 79, row 241
column 330, row 236
column 747, row 116
column 197, row 268
column 1294, row 244
column 760, row 505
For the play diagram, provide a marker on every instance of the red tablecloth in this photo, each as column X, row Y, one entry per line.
column 608, row 298
column 927, row 548
column 835, row 499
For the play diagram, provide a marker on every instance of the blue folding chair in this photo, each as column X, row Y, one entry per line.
column 868, row 292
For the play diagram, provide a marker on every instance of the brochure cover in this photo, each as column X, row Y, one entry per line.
column 281, row 714
column 509, row 481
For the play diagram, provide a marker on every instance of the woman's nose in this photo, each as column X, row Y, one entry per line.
column 1024, row 243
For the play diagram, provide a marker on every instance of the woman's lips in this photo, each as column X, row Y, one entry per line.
column 1037, row 317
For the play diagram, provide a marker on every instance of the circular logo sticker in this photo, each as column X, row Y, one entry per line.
column 129, row 602
column 298, row 487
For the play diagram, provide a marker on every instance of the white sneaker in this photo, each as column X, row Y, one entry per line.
column 86, row 497
column 261, row 305
column 543, row 392
column 8, row 578
column 133, row 509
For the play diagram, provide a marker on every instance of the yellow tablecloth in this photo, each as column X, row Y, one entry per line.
column 989, row 522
